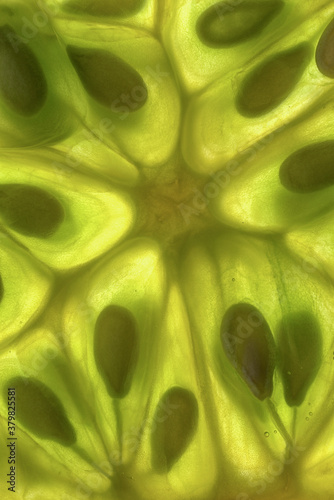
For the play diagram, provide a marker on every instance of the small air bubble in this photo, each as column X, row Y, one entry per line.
column 307, row 418
column 310, row 414
column 233, row 279
column 266, row 434
column 275, row 431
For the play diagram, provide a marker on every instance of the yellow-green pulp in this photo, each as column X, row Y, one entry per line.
column 167, row 249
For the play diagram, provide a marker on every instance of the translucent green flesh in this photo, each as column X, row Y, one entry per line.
column 166, row 249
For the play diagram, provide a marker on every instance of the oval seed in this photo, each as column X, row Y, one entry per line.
column 108, row 79
column 22, row 82
column 224, row 24
column 175, row 424
column 324, row 55
column 115, row 348
column 41, row 412
column 309, row 169
column 249, row 345
column 271, row 82
column 105, row 7
column 30, row 210
column 300, row 352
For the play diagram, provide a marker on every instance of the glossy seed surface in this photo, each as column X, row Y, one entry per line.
column 248, row 343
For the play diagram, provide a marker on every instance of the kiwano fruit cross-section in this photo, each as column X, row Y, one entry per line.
column 167, row 249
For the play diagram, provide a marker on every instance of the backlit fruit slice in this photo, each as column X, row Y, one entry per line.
column 40, row 97
column 167, row 294
column 62, row 226
column 25, row 289
column 129, row 81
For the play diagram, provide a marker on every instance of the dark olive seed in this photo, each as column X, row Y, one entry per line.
column 108, row 79
column 174, row 426
column 249, row 345
column 271, row 82
column 105, row 7
column 223, row 24
column 309, row 169
column 22, row 82
column 41, row 412
column 324, row 55
column 30, row 210
column 115, row 348
column 300, row 355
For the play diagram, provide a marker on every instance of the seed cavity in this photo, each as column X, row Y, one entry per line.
column 324, row 55
column 108, row 79
column 105, row 7
column 116, row 348
column 22, row 82
column 175, row 424
column 30, row 210
column 224, row 25
column 41, row 412
column 271, row 82
column 309, row 169
column 300, row 354
column 249, row 345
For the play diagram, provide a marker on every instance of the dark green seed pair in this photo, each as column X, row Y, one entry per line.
column 249, row 345
column 116, row 351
